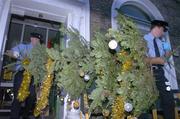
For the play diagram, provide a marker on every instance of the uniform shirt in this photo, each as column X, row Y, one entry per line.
column 168, row 68
column 23, row 50
column 150, row 45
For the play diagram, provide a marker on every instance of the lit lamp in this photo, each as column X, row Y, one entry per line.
column 113, row 45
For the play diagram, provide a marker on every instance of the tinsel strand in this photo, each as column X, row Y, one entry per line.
column 23, row 91
column 118, row 108
column 43, row 100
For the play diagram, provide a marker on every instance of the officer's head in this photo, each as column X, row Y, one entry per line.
column 36, row 38
column 158, row 27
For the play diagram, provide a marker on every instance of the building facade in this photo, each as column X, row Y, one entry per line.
column 102, row 13
column 90, row 16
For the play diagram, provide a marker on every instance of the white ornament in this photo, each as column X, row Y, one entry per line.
column 86, row 77
column 168, row 88
column 113, row 44
column 128, row 107
column 15, row 54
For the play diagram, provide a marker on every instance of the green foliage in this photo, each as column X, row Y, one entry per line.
column 70, row 62
column 136, row 85
column 38, row 58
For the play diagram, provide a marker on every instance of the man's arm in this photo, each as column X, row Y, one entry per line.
column 10, row 53
column 15, row 52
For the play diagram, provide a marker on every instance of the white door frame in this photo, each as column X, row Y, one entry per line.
column 4, row 26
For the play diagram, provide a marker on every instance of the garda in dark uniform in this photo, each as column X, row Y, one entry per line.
column 156, row 49
column 23, row 50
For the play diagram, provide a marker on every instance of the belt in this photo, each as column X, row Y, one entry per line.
column 156, row 66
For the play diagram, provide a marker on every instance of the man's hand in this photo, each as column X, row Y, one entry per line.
column 10, row 54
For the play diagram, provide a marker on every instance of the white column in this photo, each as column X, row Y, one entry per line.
column 4, row 25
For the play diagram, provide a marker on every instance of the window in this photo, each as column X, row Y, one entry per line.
column 141, row 18
column 14, row 36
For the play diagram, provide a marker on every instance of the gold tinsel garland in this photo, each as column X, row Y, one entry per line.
column 118, row 108
column 42, row 101
column 23, row 91
column 86, row 106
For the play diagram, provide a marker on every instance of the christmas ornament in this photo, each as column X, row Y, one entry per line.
column 81, row 73
column 76, row 104
column 113, row 45
column 86, row 77
column 105, row 112
column 128, row 107
column 168, row 88
column 69, row 100
column 62, row 100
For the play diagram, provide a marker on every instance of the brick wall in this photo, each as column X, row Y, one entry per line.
column 100, row 15
column 100, row 20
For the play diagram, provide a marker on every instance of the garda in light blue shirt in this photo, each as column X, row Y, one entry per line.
column 23, row 50
column 163, row 45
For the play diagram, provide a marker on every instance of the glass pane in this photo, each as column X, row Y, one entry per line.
column 140, row 18
column 14, row 35
column 52, row 35
column 55, row 37
column 135, row 12
column 29, row 29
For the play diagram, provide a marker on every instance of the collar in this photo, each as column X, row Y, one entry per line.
column 151, row 36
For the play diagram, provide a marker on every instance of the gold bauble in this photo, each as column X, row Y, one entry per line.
column 81, row 73
column 76, row 104
column 105, row 112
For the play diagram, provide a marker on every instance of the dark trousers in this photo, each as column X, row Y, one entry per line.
column 166, row 97
column 29, row 102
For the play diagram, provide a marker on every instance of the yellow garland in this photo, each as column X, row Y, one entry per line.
column 127, row 65
column 118, row 108
column 23, row 91
column 42, row 102
column 86, row 106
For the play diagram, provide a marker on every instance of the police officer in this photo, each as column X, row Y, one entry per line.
column 158, row 52
column 19, row 52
